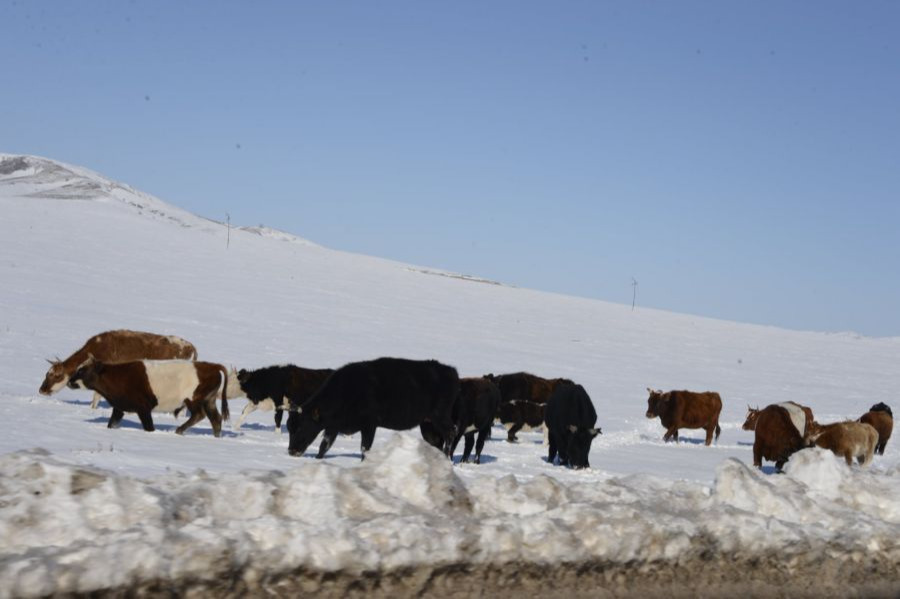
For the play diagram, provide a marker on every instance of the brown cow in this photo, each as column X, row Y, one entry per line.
column 848, row 439
column 522, row 386
column 145, row 386
column 801, row 416
column 686, row 409
column 881, row 417
column 116, row 346
column 778, row 434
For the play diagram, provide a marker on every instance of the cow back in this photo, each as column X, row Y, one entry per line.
column 570, row 405
column 690, row 409
column 393, row 393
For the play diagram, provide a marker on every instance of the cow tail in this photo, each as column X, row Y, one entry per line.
column 225, row 413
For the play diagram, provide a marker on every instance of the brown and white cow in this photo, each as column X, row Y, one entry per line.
column 882, row 418
column 145, row 386
column 800, row 415
column 846, row 439
column 686, row 409
column 116, row 346
column 780, row 430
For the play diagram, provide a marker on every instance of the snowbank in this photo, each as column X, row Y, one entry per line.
column 65, row 528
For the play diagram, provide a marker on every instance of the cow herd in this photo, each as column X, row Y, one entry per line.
column 144, row 373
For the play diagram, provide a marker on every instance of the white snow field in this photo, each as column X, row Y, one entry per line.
column 84, row 508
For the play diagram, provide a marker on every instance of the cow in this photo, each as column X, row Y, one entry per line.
column 881, row 417
column 846, row 439
column 570, row 419
column 778, row 434
column 801, row 416
column 116, row 346
column 522, row 412
column 521, row 386
column 274, row 387
column 393, row 393
column 473, row 412
column 686, row 409
column 146, row 386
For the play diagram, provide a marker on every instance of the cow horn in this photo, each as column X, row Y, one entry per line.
column 51, row 362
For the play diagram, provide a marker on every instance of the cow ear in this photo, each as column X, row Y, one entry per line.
column 573, row 428
column 595, row 431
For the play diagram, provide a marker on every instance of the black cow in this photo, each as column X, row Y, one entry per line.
column 390, row 392
column 274, row 384
column 570, row 419
column 473, row 412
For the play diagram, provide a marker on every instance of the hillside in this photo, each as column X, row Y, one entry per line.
column 85, row 508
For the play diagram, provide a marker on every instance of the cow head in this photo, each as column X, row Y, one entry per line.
column 656, row 403
column 85, row 377
column 882, row 407
column 303, row 426
column 579, row 445
column 55, row 379
column 752, row 417
column 814, row 430
column 251, row 386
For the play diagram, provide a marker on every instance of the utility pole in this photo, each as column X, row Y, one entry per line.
column 634, row 285
column 228, row 228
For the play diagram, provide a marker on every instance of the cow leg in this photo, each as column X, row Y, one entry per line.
column 214, row 418
column 115, row 418
column 709, row 435
column 279, row 415
column 470, row 442
column 479, row 444
column 250, row 407
column 328, row 438
column 197, row 413
column 848, row 456
column 368, row 437
column 146, row 420
column 95, row 401
column 551, row 456
column 757, row 455
column 511, row 435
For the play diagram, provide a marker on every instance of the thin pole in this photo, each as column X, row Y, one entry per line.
column 634, row 285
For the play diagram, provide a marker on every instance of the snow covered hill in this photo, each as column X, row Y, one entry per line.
column 80, row 254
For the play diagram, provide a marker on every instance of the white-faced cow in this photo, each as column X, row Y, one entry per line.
column 686, row 409
column 392, row 393
column 570, row 419
column 881, row 417
column 519, row 387
column 146, row 386
column 847, row 439
column 116, row 346
column 473, row 412
column 276, row 387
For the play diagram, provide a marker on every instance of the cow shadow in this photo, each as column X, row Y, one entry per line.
column 258, row 426
column 745, row 443
column 78, row 402
column 485, row 459
column 125, row 423
column 690, row 440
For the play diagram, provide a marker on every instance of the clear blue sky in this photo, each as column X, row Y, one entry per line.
column 741, row 160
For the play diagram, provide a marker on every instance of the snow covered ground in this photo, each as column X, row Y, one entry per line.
column 85, row 508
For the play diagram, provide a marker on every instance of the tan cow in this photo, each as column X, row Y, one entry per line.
column 848, row 439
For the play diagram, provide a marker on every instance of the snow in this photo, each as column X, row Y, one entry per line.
column 86, row 508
